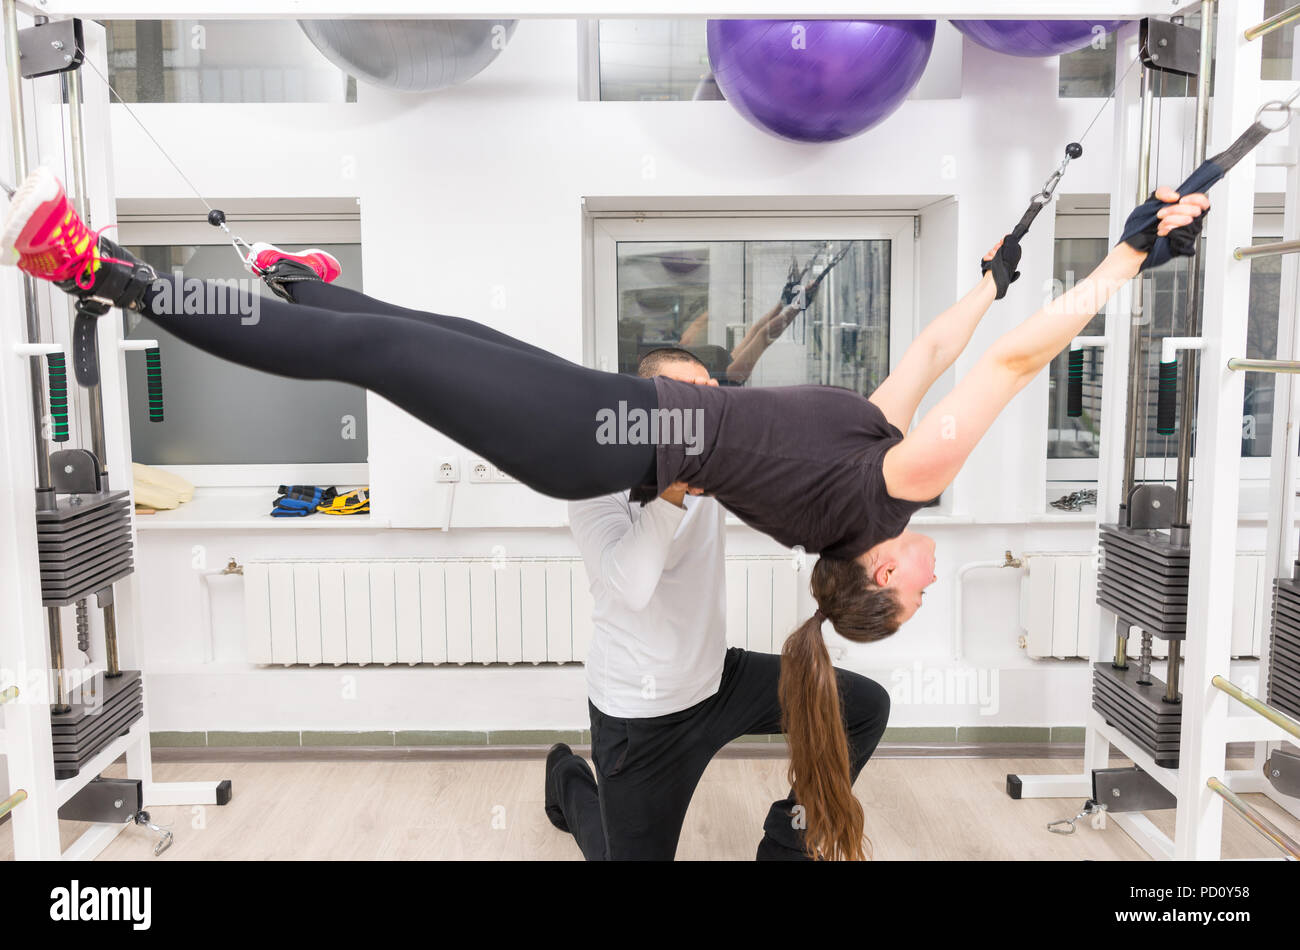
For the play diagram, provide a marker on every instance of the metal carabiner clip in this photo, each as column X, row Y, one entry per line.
column 1073, row 150
column 1067, row 822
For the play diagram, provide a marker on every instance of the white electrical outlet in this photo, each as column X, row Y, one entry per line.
column 480, row 470
column 500, row 476
column 449, row 469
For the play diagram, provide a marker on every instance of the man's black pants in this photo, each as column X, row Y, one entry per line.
column 648, row 768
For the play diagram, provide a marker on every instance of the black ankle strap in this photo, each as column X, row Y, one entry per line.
column 85, row 339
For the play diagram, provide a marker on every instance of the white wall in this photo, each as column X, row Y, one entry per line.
column 471, row 205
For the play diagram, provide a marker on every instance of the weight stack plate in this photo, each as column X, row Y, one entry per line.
column 1284, row 647
column 103, row 708
column 1140, row 712
column 1143, row 580
column 84, row 545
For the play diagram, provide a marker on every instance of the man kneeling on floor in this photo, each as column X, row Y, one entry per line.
column 665, row 692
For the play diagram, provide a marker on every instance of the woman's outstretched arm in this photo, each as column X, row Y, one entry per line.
column 927, row 460
column 931, row 353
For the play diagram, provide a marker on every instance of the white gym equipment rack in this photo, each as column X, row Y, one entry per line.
column 1208, row 725
column 26, row 737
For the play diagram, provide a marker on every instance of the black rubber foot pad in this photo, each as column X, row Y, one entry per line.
column 224, row 792
column 1013, row 786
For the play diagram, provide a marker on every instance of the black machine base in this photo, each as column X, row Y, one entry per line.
column 1130, row 789
column 105, row 801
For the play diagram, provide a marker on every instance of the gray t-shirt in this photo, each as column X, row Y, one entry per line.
column 799, row 463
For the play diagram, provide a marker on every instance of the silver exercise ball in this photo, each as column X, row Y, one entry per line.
column 410, row 55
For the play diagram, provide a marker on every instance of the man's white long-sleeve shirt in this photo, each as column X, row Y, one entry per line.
column 658, row 578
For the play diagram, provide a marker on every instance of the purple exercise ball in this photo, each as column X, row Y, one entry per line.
column 1033, row 37
column 818, row 80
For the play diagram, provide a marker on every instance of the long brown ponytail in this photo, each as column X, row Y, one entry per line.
column 811, row 715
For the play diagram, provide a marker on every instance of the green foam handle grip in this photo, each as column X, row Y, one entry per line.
column 153, row 376
column 57, row 370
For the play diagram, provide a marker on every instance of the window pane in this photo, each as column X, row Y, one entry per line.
column 1077, row 437
column 220, row 61
column 1167, row 290
column 1088, row 73
column 218, row 413
column 723, row 302
column 1261, row 343
column 1277, row 46
column 653, row 60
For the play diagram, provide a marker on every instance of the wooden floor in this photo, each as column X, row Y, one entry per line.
column 916, row 808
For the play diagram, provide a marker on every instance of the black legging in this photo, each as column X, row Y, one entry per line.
column 529, row 412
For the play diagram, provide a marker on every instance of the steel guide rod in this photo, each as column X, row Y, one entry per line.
column 45, row 496
column 12, row 802
column 1275, row 22
column 1147, row 94
column 1257, row 821
column 1255, row 704
column 95, row 394
column 1187, row 395
column 18, row 129
column 1264, row 366
column 76, row 146
column 1266, row 250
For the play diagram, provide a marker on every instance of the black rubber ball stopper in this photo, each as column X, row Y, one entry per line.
column 1074, row 150
column 216, row 217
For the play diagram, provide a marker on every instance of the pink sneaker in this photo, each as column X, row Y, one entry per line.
column 265, row 257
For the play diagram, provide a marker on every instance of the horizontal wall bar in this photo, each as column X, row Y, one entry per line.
column 1275, row 716
column 603, row 9
column 12, row 802
column 1266, row 250
column 1275, row 22
column 1257, row 821
column 1264, row 366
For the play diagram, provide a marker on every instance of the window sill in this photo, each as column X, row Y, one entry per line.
column 244, row 509
column 1063, row 517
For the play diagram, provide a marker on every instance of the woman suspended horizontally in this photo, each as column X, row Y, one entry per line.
column 818, row 467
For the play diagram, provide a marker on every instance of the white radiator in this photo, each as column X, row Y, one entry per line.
column 762, row 602
column 1059, row 613
column 466, row 610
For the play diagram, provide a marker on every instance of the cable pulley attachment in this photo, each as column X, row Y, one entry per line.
column 1046, row 193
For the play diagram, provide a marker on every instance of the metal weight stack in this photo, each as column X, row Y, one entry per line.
column 1143, row 581
column 1138, row 710
column 1284, row 649
column 84, row 546
column 101, row 709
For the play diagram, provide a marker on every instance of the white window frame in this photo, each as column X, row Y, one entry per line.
column 608, row 231
column 302, row 222
column 1095, row 224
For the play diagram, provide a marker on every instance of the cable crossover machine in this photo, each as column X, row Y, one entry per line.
column 1167, row 551
column 79, row 542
